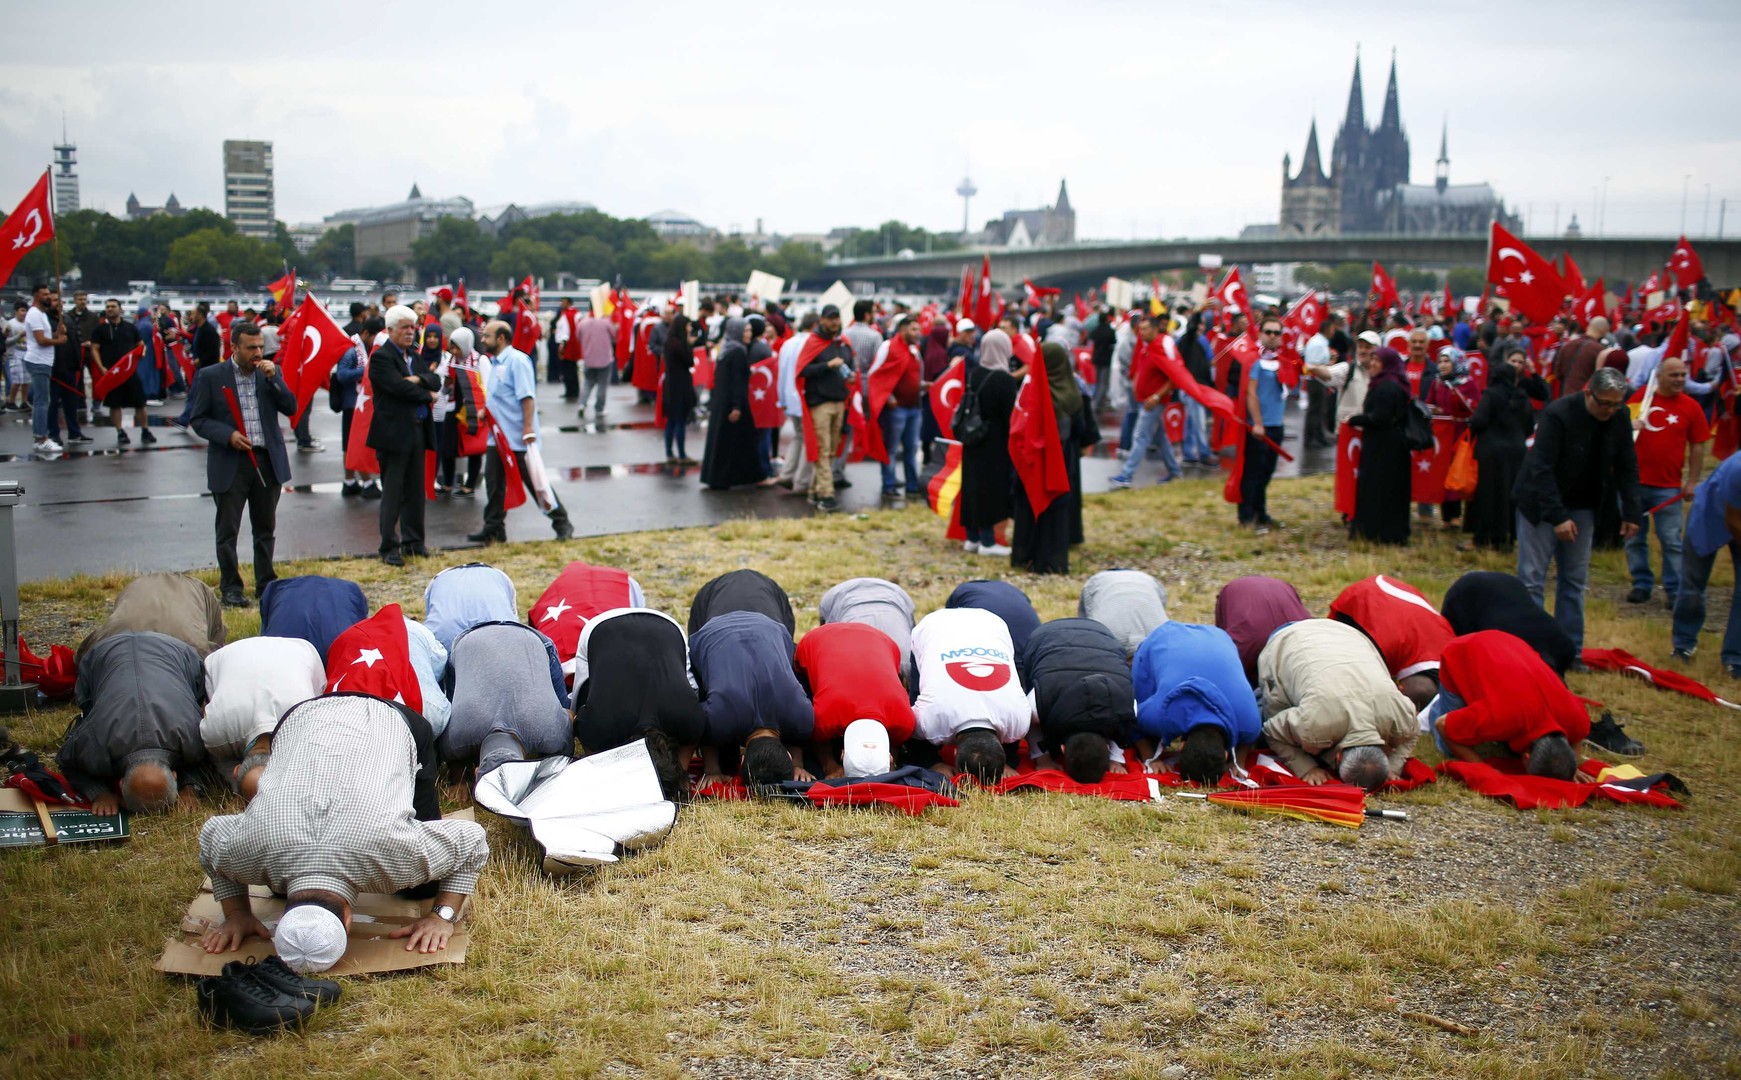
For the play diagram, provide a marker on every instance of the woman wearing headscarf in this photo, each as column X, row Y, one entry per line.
column 679, row 357
column 1453, row 394
column 1042, row 545
column 731, row 458
column 1381, row 491
column 986, row 473
column 1501, row 424
column 932, row 364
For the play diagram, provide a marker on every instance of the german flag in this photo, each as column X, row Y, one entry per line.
column 943, row 493
column 284, row 289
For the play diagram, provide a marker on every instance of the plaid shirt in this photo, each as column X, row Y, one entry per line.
column 248, row 400
column 334, row 813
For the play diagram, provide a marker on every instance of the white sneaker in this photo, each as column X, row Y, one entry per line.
column 971, row 547
column 49, row 446
column 995, row 550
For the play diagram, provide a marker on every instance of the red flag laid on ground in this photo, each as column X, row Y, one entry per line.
column 1347, row 468
column 374, row 657
column 310, row 346
column 1530, row 282
column 28, row 227
column 1427, row 483
column 1231, row 294
column 54, row 676
column 119, row 372
column 1384, row 288
column 1689, row 270
column 1506, row 780
column 1626, row 664
column 1036, row 448
column 983, row 315
column 358, row 456
column 765, row 393
column 946, row 395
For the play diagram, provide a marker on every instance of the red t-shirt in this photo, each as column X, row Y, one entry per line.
column 1513, row 696
column 1674, row 423
column 854, row 672
column 1145, row 372
column 1409, row 632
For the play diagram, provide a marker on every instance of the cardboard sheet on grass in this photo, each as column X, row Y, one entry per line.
column 370, row 951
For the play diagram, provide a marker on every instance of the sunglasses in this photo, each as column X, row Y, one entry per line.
column 1598, row 403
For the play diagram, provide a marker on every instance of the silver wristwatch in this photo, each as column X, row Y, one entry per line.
column 446, row 912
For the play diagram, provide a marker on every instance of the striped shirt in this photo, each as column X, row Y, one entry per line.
column 248, row 400
column 334, row 813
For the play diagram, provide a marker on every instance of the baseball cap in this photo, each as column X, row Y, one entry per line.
column 964, row 326
column 830, row 311
column 1371, row 338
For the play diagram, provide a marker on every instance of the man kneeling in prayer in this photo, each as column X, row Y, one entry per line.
column 855, row 675
column 510, row 699
column 253, row 682
column 1331, row 707
column 1405, row 627
column 1190, row 685
column 334, row 818
column 1130, row 603
column 631, row 681
column 1500, row 699
column 139, row 696
column 1082, row 698
column 751, row 698
column 969, row 694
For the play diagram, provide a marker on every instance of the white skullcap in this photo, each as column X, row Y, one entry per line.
column 309, row 938
column 866, row 749
column 399, row 313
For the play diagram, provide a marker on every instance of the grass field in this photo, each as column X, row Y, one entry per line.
column 1016, row 935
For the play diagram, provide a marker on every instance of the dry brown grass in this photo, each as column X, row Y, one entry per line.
column 1029, row 935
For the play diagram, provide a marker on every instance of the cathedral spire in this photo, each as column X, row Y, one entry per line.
column 1311, row 164
column 1355, row 120
column 1442, row 167
column 1062, row 206
column 1392, row 118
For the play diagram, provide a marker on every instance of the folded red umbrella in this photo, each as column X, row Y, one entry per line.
column 1337, row 804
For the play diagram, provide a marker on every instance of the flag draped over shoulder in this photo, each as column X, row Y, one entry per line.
column 813, row 347
column 1036, row 448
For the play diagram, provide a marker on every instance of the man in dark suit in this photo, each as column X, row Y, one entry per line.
column 246, row 465
column 399, row 432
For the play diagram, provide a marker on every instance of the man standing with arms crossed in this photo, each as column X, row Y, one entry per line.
column 399, row 432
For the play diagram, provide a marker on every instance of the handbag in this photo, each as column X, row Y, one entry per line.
column 1461, row 477
column 1417, row 427
column 971, row 429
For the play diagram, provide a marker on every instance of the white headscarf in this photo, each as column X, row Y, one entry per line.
column 994, row 350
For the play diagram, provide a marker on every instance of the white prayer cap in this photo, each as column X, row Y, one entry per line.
column 866, row 749
column 309, row 938
column 399, row 313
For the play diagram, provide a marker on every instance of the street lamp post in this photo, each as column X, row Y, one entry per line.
column 1602, row 214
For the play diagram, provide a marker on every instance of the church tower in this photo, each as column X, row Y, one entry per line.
column 1351, row 163
column 1390, row 143
column 1442, row 167
column 1310, row 205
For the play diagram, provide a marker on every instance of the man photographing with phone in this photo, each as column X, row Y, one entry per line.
column 235, row 408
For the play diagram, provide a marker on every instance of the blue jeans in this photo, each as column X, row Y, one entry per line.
column 676, row 432
column 39, row 399
column 901, row 430
column 1127, row 426
column 1196, row 444
column 1446, row 702
column 1689, row 616
column 1668, row 532
column 1147, row 424
column 1536, row 546
column 63, row 403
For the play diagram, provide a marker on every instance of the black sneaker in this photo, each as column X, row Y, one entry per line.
column 843, row 482
column 250, row 1004
column 275, row 973
column 236, row 599
column 146, row 437
column 485, row 536
column 121, row 438
column 1684, row 655
column 393, row 558
column 1609, row 735
column 827, row 506
column 372, row 490
column 1637, row 595
column 78, row 439
column 351, row 489
column 565, row 531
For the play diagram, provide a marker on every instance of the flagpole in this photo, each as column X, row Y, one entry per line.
column 54, row 238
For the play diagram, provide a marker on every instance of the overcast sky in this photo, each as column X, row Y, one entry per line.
column 1167, row 119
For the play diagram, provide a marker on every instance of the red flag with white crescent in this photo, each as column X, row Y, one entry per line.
column 374, row 657
column 28, row 227
column 946, row 395
column 1427, row 481
column 1231, row 293
column 1036, row 448
column 513, row 486
column 1530, row 282
column 358, row 456
column 765, row 393
column 310, row 346
column 1173, row 421
column 1384, row 288
column 1347, row 468
column 118, row 373
column 1688, row 268
column 983, row 315
column 702, row 371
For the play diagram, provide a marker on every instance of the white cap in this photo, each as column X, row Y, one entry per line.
column 866, row 749
column 309, row 938
column 964, row 326
column 1371, row 338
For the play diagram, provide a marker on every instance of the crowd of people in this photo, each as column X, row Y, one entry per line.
column 357, row 712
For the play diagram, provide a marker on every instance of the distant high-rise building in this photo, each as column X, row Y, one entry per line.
column 66, row 177
column 248, row 197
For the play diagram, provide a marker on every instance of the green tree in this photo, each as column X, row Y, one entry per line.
column 635, row 258
column 1312, row 275
column 796, row 262
column 1351, row 277
column 590, row 257
column 677, row 262
column 1413, row 279
column 457, row 247
column 378, row 268
column 732, row 260
column 522, row 256
column 335, row 253
column 281, row 240
column 1467, row 281
column 210, row 255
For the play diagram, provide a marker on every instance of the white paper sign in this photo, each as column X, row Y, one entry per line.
column 766, row 286
column 1120, row 293
column 691, row 299
column 840, row 296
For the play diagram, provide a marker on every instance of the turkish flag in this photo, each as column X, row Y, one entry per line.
column 1307, row 314
column 886, row 373
column 579, row 594
column 1530, row 282
column 513, row 486
column 1450, row 304
column 765, row 393
column 813, row 346
column 1592, row 303
column 867, row 441
column 1677, row 340
column 1173, row 421
column 1172, row 365
column 1688, row 270
column 702, row 371
column 965, row 306
column 374, row 657
column 1081, row 307
column 525, row 330
column 1036, row 295
column 649, row 366
column 118, row 373
column 161, row 351
column 1231, row 293
column 358, row 456
column 28, row 227
column 1427, row 482
column 983, row 315
column 1573, row 277
column 459, row 296
column 624, row 314
column 1384, row 288
column 1036, row 449
column 309, row 347
column 946, row 395
column 1347, row 468
column 1664, row 313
